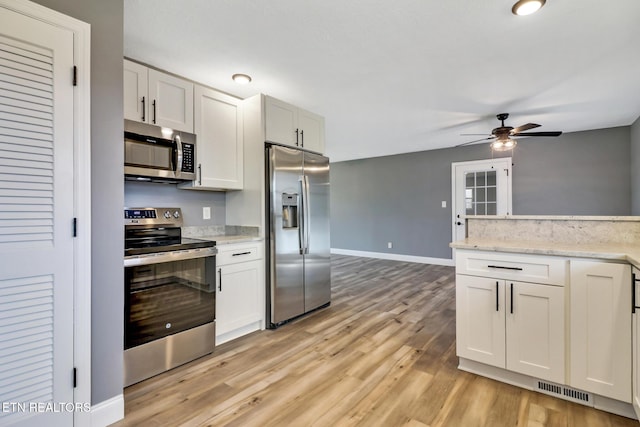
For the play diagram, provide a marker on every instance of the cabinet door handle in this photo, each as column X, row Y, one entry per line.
column 241, row 253
column 297, row 134
column 302, row 138
column 505, row 268
column 144, row 119
column 154, row 111
column 220, row 279
column 199, row 173
column 633, row 293
column 512, row 298
column 497, row 296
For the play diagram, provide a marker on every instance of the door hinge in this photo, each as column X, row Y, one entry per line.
column 75, row 377
column 75, row 75
column 75, row 227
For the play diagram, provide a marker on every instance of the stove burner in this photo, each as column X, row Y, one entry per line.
column 156, row 230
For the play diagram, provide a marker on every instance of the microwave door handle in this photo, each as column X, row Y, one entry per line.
column 178, row 166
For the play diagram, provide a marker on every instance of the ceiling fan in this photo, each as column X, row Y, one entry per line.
column 502, row 136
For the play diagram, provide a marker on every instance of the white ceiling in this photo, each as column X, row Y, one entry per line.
column 400, row 76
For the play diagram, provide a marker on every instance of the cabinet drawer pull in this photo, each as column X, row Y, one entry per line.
column 505, row 268
column 497, row 296
column 220, row 279
column 241, row 253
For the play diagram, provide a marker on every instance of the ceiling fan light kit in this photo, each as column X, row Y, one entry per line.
column 527, row 7
column 502, row 137
column 503, row 144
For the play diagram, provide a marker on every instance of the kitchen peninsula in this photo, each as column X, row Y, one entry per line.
column 547, row 303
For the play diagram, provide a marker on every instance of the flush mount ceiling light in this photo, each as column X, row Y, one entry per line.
column 242, row 79
column 527, row 7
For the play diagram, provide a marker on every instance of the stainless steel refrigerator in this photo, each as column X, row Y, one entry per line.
column 298, row 256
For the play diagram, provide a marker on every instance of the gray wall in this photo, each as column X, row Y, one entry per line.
column 106, row 19
column 635, row 168
column 398, row 198
column 144, row 194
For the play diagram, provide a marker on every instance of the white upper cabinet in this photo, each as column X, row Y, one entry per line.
column 289, row 125
column 219, row 130
column 136, row 92
column 164, row 100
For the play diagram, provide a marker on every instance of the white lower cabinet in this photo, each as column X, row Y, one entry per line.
column 513, row 325
column 239, row 291
column 636, row 341
column 601, row 328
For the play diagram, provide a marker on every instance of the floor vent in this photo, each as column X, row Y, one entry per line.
column 564, row 392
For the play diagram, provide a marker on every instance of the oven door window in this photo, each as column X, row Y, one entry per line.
column 167, row 298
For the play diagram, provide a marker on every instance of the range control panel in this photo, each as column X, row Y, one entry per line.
column 153, row 216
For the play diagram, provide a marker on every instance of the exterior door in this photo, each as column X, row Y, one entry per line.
column 317, row 262
column 286, row 233
column 36, row 216
column 480, row 187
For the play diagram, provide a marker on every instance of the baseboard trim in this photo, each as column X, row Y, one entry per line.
column 108, row 411
column 394, row 257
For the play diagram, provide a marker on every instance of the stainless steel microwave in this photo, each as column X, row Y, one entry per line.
column 154, row 153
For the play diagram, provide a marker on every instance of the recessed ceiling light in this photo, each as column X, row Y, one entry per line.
column 242, row 79
column 527, row 7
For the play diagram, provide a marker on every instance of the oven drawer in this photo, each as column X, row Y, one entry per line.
column 238, row 252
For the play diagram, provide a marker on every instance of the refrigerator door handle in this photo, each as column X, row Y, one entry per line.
column 301, row 224
column 307, row 213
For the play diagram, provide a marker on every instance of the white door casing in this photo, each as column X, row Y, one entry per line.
column 44, row 185
column 488, row 192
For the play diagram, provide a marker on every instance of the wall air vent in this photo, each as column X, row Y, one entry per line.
column 564, row 392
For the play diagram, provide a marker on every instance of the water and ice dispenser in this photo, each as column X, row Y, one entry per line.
column 289, row 210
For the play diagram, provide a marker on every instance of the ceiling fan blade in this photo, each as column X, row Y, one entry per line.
column 549, row 133
column 473, row 134
column 524, row 127
column 477, row 140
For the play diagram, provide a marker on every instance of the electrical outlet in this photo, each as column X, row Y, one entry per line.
column 206, row 212
column 389, row 245
column 444, row 203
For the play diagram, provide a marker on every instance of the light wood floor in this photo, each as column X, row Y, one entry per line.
column 383, row 354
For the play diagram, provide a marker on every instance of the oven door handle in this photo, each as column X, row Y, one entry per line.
column 132, row 261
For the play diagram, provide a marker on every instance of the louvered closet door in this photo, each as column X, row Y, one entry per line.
column 36, row 211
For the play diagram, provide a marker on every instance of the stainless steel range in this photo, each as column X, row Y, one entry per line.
column 170, row 295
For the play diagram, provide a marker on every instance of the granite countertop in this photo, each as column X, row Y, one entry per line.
column 608, row 251
column 224, row 234
column 617, row 218
column 228, row 239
